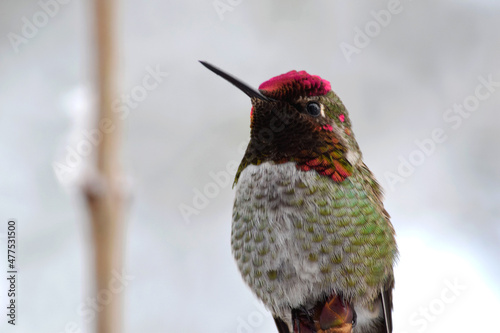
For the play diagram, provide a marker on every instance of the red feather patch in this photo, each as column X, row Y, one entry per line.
column 328, row 127
column 331, row 168
column 294, row 84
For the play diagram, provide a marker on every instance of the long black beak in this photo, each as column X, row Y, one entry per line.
column 251, row 92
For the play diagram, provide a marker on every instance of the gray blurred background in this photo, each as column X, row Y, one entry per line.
column 400, row 82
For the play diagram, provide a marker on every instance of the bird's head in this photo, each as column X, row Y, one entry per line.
column 296, row 117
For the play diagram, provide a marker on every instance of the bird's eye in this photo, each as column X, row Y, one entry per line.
column 313, row 109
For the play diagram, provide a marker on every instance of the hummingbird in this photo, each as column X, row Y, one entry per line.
column 310, row 234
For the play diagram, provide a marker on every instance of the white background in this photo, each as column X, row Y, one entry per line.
column 397, row 89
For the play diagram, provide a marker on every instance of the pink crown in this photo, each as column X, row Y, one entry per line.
column 294, row 84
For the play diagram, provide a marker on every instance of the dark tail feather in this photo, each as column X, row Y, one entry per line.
column 386, row 296
column 280, row 324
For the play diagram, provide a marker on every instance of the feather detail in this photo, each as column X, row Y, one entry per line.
column 294, row 84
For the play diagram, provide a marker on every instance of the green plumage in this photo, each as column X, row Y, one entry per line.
column 341, row 227
column 310, row 234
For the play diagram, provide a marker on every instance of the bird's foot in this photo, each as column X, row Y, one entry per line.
column 333, row 315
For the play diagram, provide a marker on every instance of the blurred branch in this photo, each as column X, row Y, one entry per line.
column 103, row 191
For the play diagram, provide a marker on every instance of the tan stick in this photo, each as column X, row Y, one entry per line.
column 103, row 192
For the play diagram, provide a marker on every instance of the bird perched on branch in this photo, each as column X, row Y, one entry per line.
column 310, row 234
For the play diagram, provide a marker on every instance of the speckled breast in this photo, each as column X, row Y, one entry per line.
column 297, row 235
